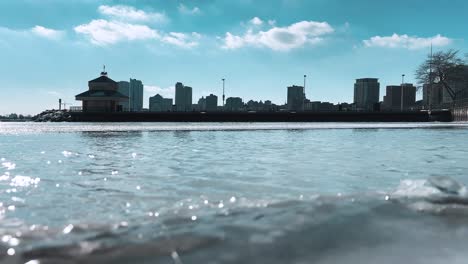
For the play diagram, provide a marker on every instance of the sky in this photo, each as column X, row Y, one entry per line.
column 50, row 49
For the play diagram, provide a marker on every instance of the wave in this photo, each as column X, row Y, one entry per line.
column 421, row 221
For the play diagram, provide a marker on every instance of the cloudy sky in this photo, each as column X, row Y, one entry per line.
column 49, row 49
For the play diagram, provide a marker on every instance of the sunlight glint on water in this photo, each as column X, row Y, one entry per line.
column 115, row 192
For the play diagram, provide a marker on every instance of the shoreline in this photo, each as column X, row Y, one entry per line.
column 437, row 116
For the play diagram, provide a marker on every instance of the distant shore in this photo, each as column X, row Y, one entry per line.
column 442, row 116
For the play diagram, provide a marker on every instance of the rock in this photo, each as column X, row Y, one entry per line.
column 53, row 116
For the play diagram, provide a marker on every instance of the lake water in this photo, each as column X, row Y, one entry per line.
column 233, row 193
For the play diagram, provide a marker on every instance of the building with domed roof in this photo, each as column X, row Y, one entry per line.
column 102, row 96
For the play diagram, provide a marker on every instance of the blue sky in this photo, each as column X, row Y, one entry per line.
column 49, row 49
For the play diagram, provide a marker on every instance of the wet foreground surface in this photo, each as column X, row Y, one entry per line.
column 256, row 193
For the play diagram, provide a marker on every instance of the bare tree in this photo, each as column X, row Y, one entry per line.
column 444, row 67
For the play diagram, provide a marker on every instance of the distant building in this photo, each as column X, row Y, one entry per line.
column 296, row 98
column 234, row 104
column 102, row 96
column 366, row 93
column 134, row 90
column 136, row 95
column 211, row 103
column 201, row 106
column 432, row 94
column 317, row 106
column 392, row 99
column 159, row 104
column 124, row 88
column 183, row 97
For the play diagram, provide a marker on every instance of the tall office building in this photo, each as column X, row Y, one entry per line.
column 134, row 91
column 366, row 93
column 123, row 88
column 136, row 95
column 296, row 98
column 183, row 97
column 392, row 99
column 211, row 103
column 159, row 104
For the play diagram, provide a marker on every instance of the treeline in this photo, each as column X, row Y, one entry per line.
column 14, row 116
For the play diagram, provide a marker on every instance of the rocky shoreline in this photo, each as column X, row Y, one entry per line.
column 53, row 116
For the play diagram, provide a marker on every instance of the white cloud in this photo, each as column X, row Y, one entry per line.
column 129, row 13
column 185, row 10
column 47, row 32
column 168, row 92
column 103, row 32
column 407, row 42
column 182, row 40
column 281, row 38
column 256, row 21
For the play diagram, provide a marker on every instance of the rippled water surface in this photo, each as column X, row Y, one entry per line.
column 233, row 193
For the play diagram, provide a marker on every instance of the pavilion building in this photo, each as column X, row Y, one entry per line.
column 102, row 96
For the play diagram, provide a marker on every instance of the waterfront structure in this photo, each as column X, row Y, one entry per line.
column 211, row 104
column 183, row 97
column 296, row 98
column 102, row 95
column 366, row 94
column 158, row 103
column 234, row 104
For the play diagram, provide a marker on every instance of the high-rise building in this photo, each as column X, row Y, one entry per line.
column 366, row 93
column 123, row 88
column 158, row 103
column 136, row 95
column 183, row 97
column 188, row 98
column 234, row 104
column 296, row 98
column 134, row 91
column 392, row 99
column 211, row 103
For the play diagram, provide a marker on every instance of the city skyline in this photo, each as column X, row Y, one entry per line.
column 258, row 52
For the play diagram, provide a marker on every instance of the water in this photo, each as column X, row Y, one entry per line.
column 233, row 193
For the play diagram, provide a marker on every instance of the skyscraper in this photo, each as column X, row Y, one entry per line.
column 366, row 93
column 296, row 98
column 183, row 97
column 136, row 95
column 123, row 88
column 134, row 91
